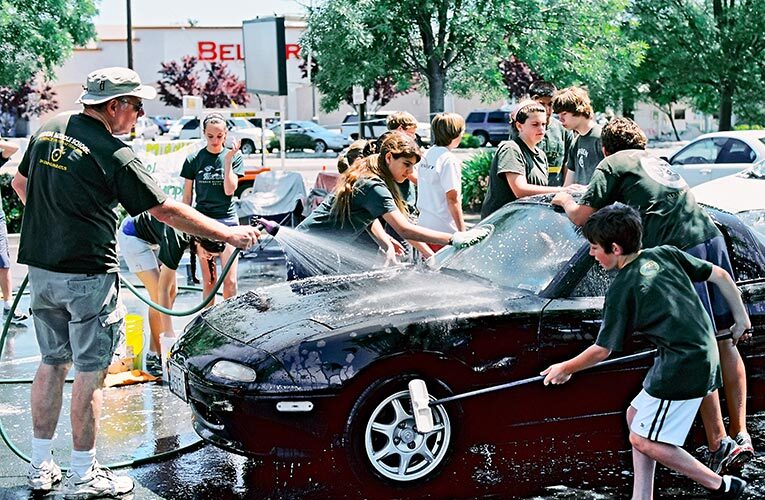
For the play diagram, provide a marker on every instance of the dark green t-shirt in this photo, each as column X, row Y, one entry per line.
column 370, row 199
column 586, row 153
column 653, row 295
column 206, row 170
column 172, row 243
column 512, row 156
column 669, row 211
column 76, row 173
column 556, row 145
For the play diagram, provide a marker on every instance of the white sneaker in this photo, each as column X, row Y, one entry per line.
column 44, row 477
column 98, row 482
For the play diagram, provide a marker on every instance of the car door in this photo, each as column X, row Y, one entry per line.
column 569, row 324
column 711, row 158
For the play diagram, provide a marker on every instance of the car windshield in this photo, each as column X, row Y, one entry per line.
column 241, row 123
column 527, row 247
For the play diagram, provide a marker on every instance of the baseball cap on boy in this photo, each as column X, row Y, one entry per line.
column 107, row 83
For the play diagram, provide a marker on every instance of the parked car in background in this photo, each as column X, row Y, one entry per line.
column 145, row 129
column 164, row 122
column 321, row 138
column 299, row 369
column 742, row 194
column 718, row 154
column 248, row 135
column 489, row 126
column 377, row 124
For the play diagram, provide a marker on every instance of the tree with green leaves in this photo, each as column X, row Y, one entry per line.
column 39, row 35
column 458, row 45
column 710, row 51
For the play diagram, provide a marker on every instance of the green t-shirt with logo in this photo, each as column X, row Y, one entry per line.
column 370, row 199
column 512, row 156
column 76, row 174
column 172, row 243
column 586, row 154
column 669, row 211
column 556, row 145
column 653, row 295
column 206, row 170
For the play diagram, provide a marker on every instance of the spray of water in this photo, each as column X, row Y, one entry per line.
column 320, row 253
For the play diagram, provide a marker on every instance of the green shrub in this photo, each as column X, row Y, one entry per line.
column 470, row 141
column 748, row 127
column 475, row 179
column 12, row 205
column 292, row 142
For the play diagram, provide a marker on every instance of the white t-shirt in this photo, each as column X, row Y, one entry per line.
column 438, row 172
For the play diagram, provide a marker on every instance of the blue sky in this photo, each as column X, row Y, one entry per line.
column 206, row 12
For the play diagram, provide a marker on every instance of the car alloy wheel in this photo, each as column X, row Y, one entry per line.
column 319, row 146
column 247, row 148
column 393, row 446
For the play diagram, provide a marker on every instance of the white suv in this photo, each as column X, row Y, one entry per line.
column 248, row 135
column 377, row 124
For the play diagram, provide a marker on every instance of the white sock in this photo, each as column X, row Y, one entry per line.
column 41, row 451
column 6, row 304
column 82, row 461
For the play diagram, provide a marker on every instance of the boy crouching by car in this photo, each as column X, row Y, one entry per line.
column 653, row 294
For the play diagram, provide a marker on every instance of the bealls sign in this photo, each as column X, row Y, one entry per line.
column 212, row 51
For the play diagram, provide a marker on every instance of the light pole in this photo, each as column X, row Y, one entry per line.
column 129, row 36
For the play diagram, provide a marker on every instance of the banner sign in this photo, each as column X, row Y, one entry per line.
column 164, row 160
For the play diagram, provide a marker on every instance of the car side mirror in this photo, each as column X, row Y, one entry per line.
column 664, row 158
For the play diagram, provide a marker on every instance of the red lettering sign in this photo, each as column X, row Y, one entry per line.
column 226, row 52
column 211, row 51
column 206, row 51
column 293, row 50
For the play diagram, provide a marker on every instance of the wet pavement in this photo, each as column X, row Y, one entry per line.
column 145, row 420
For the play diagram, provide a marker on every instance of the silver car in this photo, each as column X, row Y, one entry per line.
column 323, row 139
column 718, row 154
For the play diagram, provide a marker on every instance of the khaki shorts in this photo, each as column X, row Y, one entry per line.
column 78, row 318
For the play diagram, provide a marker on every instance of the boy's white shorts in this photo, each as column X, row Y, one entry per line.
column 663, row 420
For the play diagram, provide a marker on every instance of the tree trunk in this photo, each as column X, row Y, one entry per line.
column 436, row 87
column 726, row 107
column 671, row 116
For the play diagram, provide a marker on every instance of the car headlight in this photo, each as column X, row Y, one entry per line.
column 233, row 371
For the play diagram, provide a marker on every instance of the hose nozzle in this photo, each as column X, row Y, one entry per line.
column 268, row 226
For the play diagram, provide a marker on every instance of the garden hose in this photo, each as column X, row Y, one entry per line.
column 134, row 289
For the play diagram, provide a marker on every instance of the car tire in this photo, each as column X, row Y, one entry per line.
column 242, row 188
column 319, row 146
column 382, row 418
column 247, row 147
column 483, row 138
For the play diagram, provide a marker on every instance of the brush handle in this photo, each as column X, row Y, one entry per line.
column 539, row 378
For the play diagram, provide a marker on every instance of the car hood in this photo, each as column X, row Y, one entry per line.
column 313, row 307
column 734, row 193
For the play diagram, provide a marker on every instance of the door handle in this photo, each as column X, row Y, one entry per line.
column 705, row 171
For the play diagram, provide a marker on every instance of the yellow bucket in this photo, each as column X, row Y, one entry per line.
column 134, row 339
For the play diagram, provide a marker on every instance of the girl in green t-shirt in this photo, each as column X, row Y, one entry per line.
column 370, row 190
column 213, row 173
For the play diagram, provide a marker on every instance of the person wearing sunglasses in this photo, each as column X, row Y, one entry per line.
column 72, row 176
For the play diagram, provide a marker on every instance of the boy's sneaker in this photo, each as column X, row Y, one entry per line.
column 734, row 487
column 745, row 454
column 44, row 477
column 153, row 365
column 98, row 482
column 720, row 460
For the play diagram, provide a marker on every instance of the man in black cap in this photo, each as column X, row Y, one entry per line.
column 71, row 178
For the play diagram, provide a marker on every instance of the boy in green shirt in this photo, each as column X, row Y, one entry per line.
column 687, row 364
column 671, row 216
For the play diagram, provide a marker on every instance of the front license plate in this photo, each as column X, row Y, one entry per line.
column 178, row 381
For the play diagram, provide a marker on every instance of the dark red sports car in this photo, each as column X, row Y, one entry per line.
column 305, row 368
